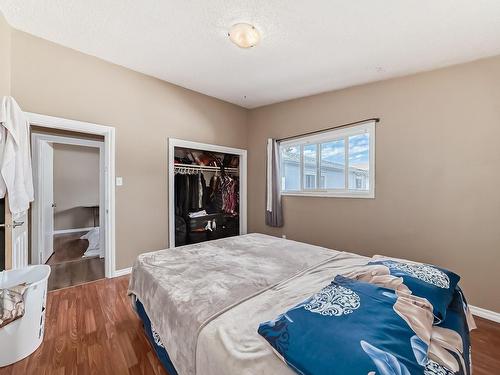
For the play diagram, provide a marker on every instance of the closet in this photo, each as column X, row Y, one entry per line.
column 207, row 192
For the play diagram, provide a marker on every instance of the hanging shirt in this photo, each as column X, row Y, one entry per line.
column 16, row 177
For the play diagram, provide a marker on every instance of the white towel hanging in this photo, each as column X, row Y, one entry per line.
column 16, row 177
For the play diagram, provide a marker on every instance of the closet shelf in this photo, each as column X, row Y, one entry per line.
column 196, row 167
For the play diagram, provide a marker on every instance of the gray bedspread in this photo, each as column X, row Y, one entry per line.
column 230, row 344
column 184, row 288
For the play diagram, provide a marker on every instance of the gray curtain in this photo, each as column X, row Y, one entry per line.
column 274, row 212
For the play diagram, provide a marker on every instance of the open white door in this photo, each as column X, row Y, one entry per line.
column 16, row 238
column 47, row 200
column 103, row 171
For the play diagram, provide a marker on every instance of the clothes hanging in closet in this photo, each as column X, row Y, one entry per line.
column 214, row 195
column 205, row 211
column 230, row 190
column 223, row 194
column 190, row 193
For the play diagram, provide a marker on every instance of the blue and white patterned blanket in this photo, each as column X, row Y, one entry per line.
column 361, row 327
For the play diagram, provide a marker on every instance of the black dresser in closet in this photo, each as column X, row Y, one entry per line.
column 206, row 196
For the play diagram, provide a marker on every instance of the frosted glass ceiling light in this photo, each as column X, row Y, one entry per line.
column 244, row 35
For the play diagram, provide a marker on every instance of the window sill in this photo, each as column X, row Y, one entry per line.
column 329, row 194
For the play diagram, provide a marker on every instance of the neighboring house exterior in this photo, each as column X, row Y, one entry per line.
column 331, row 176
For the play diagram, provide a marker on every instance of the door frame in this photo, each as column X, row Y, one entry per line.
column 37, row 217
column 174, row 142
column 108, row 133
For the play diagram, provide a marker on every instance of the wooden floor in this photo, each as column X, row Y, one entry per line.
column 486, row 348
column 68, row 247
column 68, row 268
column 75, row 272
column 92, row 329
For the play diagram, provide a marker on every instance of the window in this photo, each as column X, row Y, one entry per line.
column 359, row 182
column 335, row 163
column 322, row 180
column 290, row 161
column 310, row 181
column 310, row 162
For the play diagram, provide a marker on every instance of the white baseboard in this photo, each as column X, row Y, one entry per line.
column 122, row 272
column 486, row 314
column 75, row 230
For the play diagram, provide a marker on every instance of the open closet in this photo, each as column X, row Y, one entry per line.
column 207, row 192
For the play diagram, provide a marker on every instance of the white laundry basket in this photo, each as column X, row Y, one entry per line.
column 23, row 336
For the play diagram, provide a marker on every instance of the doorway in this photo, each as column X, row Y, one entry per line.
column 68, row 209
column 56, row 225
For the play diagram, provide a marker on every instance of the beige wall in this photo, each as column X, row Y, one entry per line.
column 437, row 179
column 5, row 34
column 57, row 81
column 437, row 155
column 76, row 185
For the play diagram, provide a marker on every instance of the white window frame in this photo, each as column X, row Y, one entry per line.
column 328, row 136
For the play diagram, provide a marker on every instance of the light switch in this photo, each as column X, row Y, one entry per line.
column 119, row 181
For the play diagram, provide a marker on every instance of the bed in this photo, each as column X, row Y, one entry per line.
column 202, row 305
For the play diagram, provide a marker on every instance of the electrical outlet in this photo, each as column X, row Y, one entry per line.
column 119, row 181
column 284, row 236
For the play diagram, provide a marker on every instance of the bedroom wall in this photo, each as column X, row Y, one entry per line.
column 437, row 172
column 53, row 80
column 5, row 35
column 437, row 155
column 76, row 185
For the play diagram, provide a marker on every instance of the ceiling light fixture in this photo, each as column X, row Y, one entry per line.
column 244, row 35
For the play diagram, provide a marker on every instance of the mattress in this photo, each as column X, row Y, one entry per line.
column 154, row 339
column 201, row 304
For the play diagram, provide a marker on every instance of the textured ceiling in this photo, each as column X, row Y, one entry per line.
column 307, row 46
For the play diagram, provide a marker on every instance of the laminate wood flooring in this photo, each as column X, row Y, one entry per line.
column 68, row 247
column 68, row 267
column 92, row 329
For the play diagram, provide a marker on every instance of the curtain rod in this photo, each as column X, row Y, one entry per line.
column 376, row 119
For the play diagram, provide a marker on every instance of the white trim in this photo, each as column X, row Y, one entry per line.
column 107, row 221
column 486, row 314
column 74, row 230
column 122, row 272
column 51, row 138
column 172, row 143
column 328, row 136
column 331, row 194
